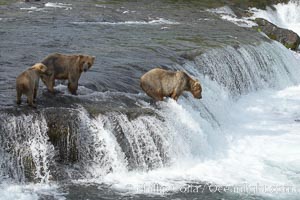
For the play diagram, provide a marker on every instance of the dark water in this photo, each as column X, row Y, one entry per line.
column 128, row 38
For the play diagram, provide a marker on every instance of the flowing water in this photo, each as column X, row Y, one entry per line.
column 283, row 15
column 241, row 141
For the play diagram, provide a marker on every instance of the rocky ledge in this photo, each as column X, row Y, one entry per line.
column 288, row 38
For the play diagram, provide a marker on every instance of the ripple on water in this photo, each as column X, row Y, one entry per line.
column 158, row 21
column 48, row 6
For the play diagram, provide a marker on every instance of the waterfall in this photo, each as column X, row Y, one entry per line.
column 100, row 153
column 143, row 139
column 283, row 15
column 242, row 69
column 25, row 149
column 72, row 143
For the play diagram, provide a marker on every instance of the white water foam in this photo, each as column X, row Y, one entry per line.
column 35, row 146
column 27, row 142
column 246, row 142
column 257, row 125
column 227, row 14
column 48, row 6
column 58, row 5
column 100, row 6
column 248, row 68
column 12, row 191
column 42, row 151
column 102, row 147
column 285, row 15
column 158, row 21
column 82, row 91
column 33, row 8
column 6, row 19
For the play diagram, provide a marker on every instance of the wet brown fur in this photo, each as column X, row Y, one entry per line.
column 159, row 83
column 66, row 67
column 27, row 83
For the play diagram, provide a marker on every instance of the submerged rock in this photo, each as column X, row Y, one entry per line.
column 288, row 38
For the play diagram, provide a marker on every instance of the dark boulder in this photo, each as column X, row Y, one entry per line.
column 287, row 37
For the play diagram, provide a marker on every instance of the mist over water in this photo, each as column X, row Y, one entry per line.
column 113, row 143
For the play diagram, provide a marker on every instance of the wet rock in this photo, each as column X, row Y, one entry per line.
column 287, row 37
column 62, row 128
column 21, row 135
column 68, row 127
column 240, row 12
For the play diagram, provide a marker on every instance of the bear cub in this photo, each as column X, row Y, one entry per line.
column 28, row 81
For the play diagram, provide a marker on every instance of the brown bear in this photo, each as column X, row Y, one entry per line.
column 28, row 82
column 64, row 67
column 159, row 83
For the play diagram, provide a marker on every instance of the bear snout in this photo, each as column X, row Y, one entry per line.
column 86, row 67
column 197, row 95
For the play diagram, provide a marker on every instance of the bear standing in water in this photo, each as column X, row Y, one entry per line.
column 159, row 83
column 64, row 67
column 28, row 82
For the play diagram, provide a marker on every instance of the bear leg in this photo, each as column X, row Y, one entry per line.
column 157, row 96
column 19, row 94
column 51, row 85
column 34, row 94
column 175, row 96
column 73, row 88
column 30, row 100
column 154, row 95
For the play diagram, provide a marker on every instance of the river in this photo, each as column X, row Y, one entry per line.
column 240, row 141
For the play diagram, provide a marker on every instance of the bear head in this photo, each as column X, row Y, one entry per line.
column 41, row 68
column 85, row 62
column 196, row 89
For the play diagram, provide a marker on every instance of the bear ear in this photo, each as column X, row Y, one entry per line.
column 79, row 59
column 35, row 66
column 196, row 84
column 41, row 67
